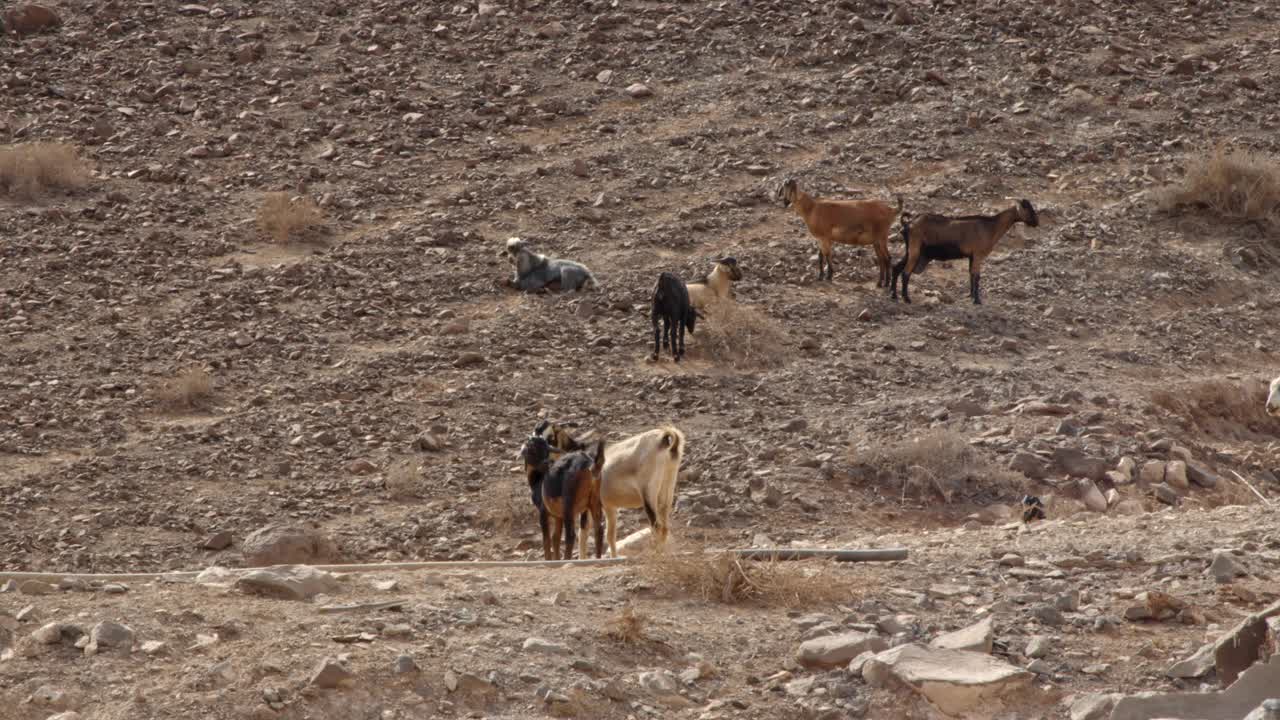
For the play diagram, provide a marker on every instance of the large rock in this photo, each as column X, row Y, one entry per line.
column 953, row 680
column 109, row 634
column 296, row 582
column 1175, row 474
column 28, row 18
column 1076, row 463
column 330, row 674
column 1201, row 476
column 1092, row 497
column 977, row 637
column 1030, row 465
column 1258, row 683
column 831, row 651
column 1232, row 653
column 1224, row 568
column 1093, row 707
column 1152, row 472
column 288, row 545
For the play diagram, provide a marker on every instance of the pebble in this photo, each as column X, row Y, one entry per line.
column 547, row 647
column 1039, row 646
column 330, row 674
column 639, row 90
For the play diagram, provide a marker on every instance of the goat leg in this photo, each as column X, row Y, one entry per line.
column 830, row 267
column 977, row 296
column 906, row 279
column 655, row 338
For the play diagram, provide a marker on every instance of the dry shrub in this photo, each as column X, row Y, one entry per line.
column 288, row 219
column 726, row 578
column 403, row 480
column 1224, row 409
column 30, row 169
column 738, row 335
column 628, row 627
column 941, row 462
column 191, row 389
column 1235, row 184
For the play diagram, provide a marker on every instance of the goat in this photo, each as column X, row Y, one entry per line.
column 844, row 222
column 641, row 472
column 1273, row 398
column 1032, row 508
column 938, row 237
column 562, row 490
column 671, row 305
column 534, row 271
column 716, row 285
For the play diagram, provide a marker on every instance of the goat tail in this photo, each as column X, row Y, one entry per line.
column 674, row 439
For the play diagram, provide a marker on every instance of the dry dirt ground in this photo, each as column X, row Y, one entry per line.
column 375, row 379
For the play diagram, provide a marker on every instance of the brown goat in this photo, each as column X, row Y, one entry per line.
column 938, row 237
column 844, row 222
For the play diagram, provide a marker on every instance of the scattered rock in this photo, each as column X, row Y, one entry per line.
column 288, row 545
column 1076, row 463
column 1175, row 474
column 295, row 582
column 1093, row 706
column 833, row 651
column 1039, row 646
column 1152, row 473
column 955, row 681
column 639, row 90
column 404, row 665
column 1165, row 494
column 1201, row 476
column 29, row 18
column 36, row 587
column 1092, row 497
column 977, row 637
column 1153, row 605
column 109, row 634
column 217, row 541
column 329, row 675
column 1224, row 568
column 1255, row 685
column 538, row 645
column 1048, row 615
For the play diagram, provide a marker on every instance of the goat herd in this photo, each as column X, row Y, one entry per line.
column 570, row 479
column 831, row 222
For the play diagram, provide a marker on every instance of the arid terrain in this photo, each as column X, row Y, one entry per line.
column 189, row 358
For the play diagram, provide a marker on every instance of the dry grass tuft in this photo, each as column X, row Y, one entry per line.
column 191, row 389
column 740, row 336
column 1225, row 409
column 723, row 577
column 30, row 169
column 403, row 480
column 1238, row 184
column 628, row 628
column 941, row 462
column 288, row 219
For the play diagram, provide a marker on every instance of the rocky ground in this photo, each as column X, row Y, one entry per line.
column 373, row 384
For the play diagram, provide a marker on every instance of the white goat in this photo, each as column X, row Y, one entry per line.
column 641, row 472
column 716, row 285
column 1273, row 399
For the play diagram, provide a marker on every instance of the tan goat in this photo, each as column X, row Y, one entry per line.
column 717, row 285
column 843, row 222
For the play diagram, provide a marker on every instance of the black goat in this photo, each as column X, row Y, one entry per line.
column 671, row 305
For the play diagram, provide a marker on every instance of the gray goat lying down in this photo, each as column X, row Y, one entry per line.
column 535, row 271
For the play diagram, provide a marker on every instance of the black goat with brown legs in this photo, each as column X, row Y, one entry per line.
column 671, row 305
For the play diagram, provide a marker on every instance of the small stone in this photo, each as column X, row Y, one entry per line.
column 551, row 30
column 154, row 647
column 1092, row 497
column 1175, row 474
column 659, row 682
column 977, row 638
column 1152, row 472
column 288, row 582
column 404, row 665
column 1039, row 646
column 199, row 152
column 795, row 425
column 835, row 650
column 547, row 647
column 1224, row 568
column 639, row 90
column 36, row 587
column 115, row 588
column 107, row 634
column 1048, row 615
column 218, row 541
column 1165, row 494
column 467, row 359
column 329, row 674
column 1093, row 706
column 1040, row 667
column 1201, row 476
column 1012, row 560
